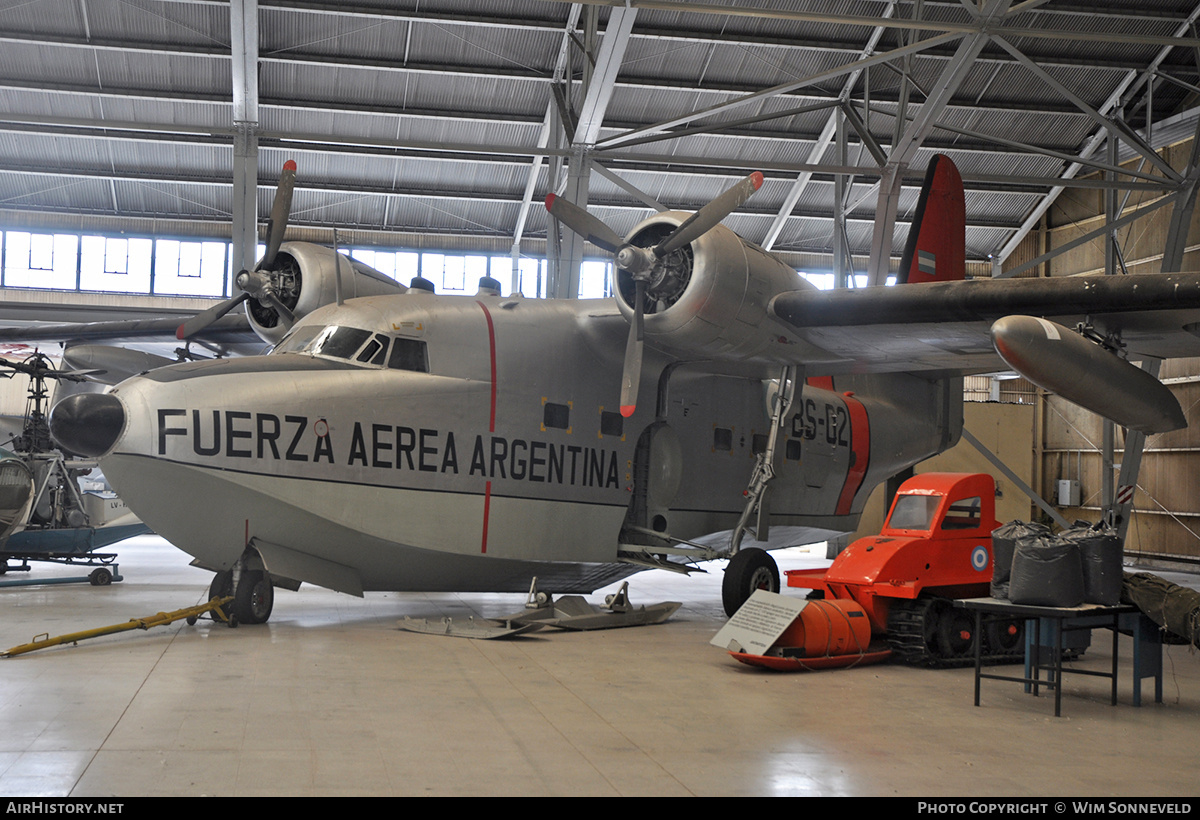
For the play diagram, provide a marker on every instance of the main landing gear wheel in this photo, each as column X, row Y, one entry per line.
column 253, row 600
column 748, row 570
column 255, row 597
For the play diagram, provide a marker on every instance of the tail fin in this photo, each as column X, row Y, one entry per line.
column 936, row 250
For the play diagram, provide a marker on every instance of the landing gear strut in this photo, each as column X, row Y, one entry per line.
column 752, row 568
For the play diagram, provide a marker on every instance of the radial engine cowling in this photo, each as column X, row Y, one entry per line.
column 710, row 297
column 305, row 279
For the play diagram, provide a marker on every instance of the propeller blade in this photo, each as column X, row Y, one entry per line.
column 583, row 223
column 631, row 373
column 280, row 209
column 707, row 217
column 206, row 317
column 285, row 314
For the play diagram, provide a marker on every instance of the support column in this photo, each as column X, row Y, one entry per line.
column 1173, row 250
column 243, row 26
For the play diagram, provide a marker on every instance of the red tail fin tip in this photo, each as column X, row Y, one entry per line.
column 936, row 246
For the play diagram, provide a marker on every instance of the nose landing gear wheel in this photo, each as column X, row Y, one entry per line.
column 749, row 569
column 253, row 600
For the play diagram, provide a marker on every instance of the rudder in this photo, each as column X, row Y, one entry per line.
column 937, row 240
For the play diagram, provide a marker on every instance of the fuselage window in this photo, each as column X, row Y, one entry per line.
column 611, row 424
column 409, row 354
column 758, row 444
column 556, row 415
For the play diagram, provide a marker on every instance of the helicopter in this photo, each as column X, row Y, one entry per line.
column 44, row 515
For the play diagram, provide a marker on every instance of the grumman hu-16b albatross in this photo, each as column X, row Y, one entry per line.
column 421, row 442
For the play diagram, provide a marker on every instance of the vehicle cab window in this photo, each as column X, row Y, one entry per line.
column 964, row 514
column 914, row 512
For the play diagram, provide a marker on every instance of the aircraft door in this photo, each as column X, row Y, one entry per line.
column 657, row 473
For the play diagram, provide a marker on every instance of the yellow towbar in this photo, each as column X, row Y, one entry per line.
column 44, row 641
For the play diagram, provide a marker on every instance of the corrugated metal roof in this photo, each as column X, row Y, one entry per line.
column 423, row 118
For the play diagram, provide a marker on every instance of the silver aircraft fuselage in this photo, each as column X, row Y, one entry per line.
column 422, row 442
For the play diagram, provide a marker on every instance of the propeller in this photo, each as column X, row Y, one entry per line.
column 258, row 283
column 647, row 266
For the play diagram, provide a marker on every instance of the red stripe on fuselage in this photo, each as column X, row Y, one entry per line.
column 860, row 452
column 492, row 352
column 487, row 492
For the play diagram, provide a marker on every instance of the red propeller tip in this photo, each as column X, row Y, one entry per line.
column 290, row 165
column 179, row 333
column 627, row 410
column 756, row 179
column 550, row 200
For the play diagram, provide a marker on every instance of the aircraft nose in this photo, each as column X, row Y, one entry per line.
column 88, row 424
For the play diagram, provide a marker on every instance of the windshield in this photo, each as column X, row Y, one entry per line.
column 914, row 512
column 357, row 345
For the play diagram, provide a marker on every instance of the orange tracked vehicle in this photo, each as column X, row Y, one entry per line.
column 935, row 546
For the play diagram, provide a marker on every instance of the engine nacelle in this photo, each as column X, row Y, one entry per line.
column 305, row 279
column 711, row 297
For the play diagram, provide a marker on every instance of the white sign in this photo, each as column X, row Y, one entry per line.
column 759, row 623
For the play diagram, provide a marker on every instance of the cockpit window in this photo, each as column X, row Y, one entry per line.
column 339, row 342
column 358, row 345
column 409, row 354
column 298, row 339
column 375, row 351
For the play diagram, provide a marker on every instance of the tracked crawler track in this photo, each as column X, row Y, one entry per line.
column 932, row 632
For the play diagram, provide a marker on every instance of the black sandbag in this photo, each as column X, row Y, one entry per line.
column 1174, row 608
column 1046, row 572
column 1100, row 554
column 1004, row 545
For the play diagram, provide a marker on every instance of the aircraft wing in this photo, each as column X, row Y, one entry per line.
column 944, row 328
column 229, row 334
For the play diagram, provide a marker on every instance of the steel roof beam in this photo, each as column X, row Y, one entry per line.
column 783, row 88
column 604, row 76
column 828, row 131
column 1097, row 139
column 1100, row 119
column 914, row 133
column 243, row 24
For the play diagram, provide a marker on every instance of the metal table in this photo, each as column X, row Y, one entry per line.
column 1147, row 643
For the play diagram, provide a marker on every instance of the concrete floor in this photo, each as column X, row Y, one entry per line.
column 330, row 698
